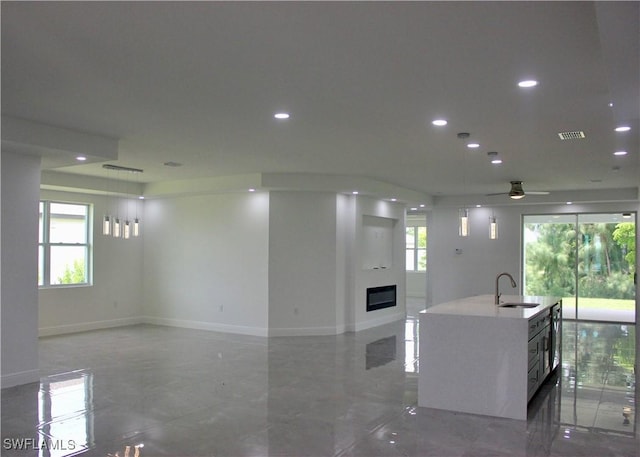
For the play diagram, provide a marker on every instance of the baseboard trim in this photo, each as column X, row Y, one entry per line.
column 88, row 326
column 19, row 378
column 210, row 326
column 305, row 331
column 218, row 327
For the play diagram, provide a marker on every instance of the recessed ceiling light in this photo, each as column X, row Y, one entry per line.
column 355, row 192
column 414, row 209
column 252, row 190
column 281, row 115
column 528, row 83
column 422, row 205
column 473, row 145
column 569, row 203
column 623, row 128
column 439, row 122
column 494, row 157
column 620, row 153
column 610, row 104
column 394, row 199
column 478, row 206
column 81, row 158
column 141, row 197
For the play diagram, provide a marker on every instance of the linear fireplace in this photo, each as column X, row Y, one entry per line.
column 381, row 297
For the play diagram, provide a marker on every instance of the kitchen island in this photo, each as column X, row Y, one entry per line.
column 482, row 358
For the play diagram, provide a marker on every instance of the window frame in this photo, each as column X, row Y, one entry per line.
column 45, row 245
column 416, row 249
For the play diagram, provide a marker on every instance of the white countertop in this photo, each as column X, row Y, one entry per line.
column 483, row 305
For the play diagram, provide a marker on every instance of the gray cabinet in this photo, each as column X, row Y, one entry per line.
column 539, row 351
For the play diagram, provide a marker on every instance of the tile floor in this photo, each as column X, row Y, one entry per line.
column 147, row 390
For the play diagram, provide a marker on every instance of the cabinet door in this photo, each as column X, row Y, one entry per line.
column 533, row 380
column 545, row 351
column 533, row 352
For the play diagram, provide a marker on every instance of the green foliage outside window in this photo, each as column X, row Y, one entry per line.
column 625, row 236
column 606, row 260
column 75, row 275
column 416, row 246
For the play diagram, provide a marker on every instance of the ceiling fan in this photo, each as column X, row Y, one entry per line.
column 517, row 192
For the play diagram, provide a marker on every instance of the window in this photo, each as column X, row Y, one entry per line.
column 416, row 248
column 64, row 249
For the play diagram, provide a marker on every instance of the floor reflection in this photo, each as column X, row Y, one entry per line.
column 380, row 352
column 65, row 409
column 598, row 379
column 169, row 391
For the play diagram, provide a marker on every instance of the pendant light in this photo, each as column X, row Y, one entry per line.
column 106, row 225
column 116, row 227
column 136, row 221
column 126, row 228
column 463, row 222
column 493, row 227
column 112, row 224
column 463, row 213
column 106, row 219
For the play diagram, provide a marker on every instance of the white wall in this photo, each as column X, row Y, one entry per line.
column 279, row 263
column 19, row 269
column 345, row 239
column 302, row 263
column 206, row 262
column 115, row 297
column 473, row 271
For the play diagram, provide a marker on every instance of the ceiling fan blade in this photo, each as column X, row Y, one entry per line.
column 498, row 193
column 540, row 192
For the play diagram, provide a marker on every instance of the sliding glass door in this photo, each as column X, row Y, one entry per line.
column 587, row 259
column 549, row 258
column 606, row 267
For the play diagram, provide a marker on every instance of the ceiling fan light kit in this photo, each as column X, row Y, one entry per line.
column 516, row 192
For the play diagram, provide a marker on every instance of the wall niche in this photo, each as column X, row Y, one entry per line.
column 377, row 242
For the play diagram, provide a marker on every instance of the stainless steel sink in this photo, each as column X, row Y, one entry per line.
column 518, row 305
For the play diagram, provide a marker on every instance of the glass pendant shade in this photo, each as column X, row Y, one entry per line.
column 116, row 228
column 463, row 226
column 106, row 225
column 126, row 232
column 136, row 227
column 493, row 228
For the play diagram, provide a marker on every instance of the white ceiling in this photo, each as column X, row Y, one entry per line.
column 198, row 83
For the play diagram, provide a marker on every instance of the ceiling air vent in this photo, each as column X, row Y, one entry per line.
column 571, row 135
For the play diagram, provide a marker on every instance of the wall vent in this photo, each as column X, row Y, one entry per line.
column 571, row 135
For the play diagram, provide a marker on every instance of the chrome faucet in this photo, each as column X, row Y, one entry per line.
column 513, row 284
